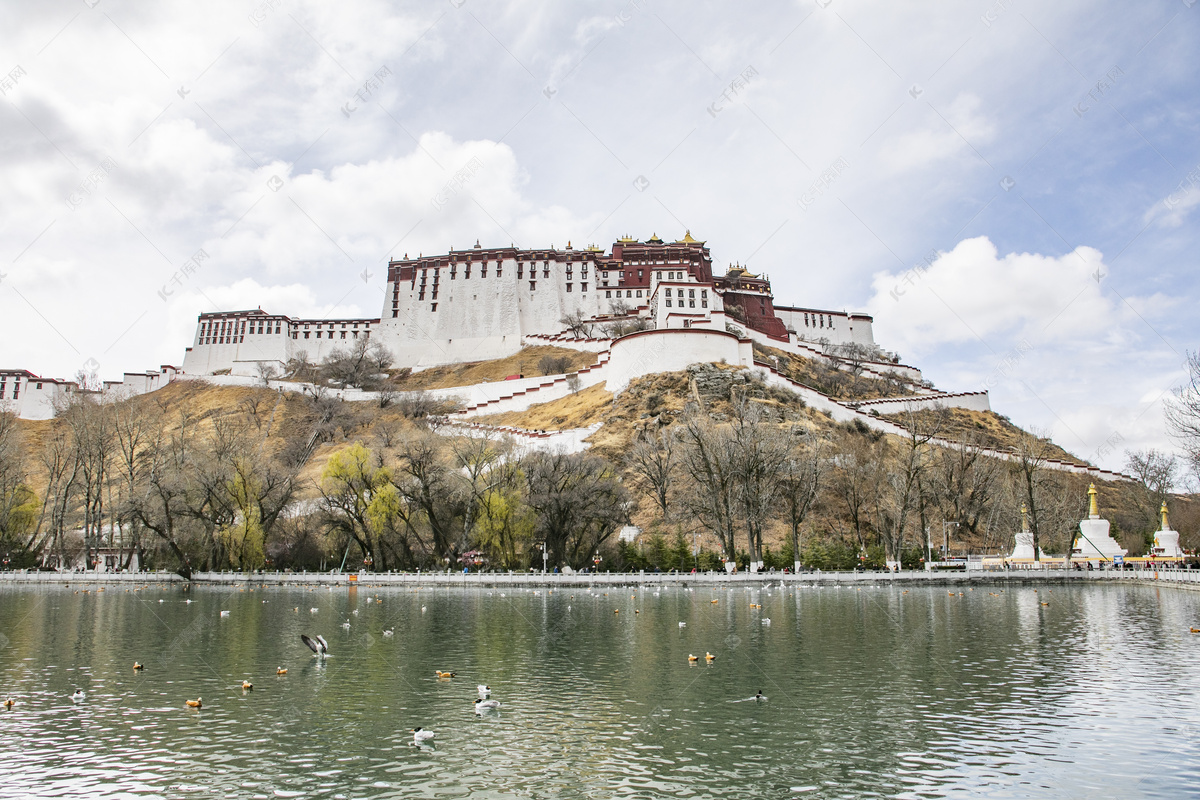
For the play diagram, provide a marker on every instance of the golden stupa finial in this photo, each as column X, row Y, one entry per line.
column 1024, row 519
column 1093, row 509
column 1166, row 526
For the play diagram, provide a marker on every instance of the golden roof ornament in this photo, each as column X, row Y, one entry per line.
column 1166, row 526
column 1093, row 509
column 1024, row 519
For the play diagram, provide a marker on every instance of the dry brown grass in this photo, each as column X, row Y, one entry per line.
column 523, row 363
column 987, row 428
column 576, row 410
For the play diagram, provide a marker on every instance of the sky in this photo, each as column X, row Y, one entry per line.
column 1009, row 188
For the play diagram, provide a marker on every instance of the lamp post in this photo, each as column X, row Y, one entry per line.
column 596, row 559
column 545, row 555
column 946, row 535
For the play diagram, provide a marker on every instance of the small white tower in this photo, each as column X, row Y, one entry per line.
column 1024, row 549
column 1166, row 541
column 1094, row 541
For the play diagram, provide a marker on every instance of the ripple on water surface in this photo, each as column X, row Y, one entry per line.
column 870, row 693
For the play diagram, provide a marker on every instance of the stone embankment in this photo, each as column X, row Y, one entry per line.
column 1184, row 578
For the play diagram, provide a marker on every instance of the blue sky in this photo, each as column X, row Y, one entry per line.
column 1003, row 185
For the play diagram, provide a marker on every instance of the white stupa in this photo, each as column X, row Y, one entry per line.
column 1024, row 549
column 1166, row 541
column 1094, row 541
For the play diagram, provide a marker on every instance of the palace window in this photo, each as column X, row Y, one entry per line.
column 545, row 273
column 532, row 285
column 306, row 334
column 628, row 293
column 433, row 306
column 691, row 303
column 467, row 272
column 343, row 334
column 603, row 274
column 639, row 292
column 704, row 292
column 691, row 292
column 704, row 304
column 568, row 288
column 608, row 294
column 433, row 296
column 668, row 302
column 583, row 287
column 421, row 296
column 668, row 292
column 499, row 270
column 483, row 270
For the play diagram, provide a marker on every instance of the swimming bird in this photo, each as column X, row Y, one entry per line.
column 224, row 613
column 709, row 657
column 318, row 645
column 194, row 703
column 420, row 735
column 389, row 632
column 484, row 691
column 482, row 705
column 683, row 624
column 441, row 674
column 280, row 671
column 79, row 696
column 137, row 666
column 1195, row 630
column 247, row 686
column 9, row 703
column 760, row 696
column 355, row 612
column 346, row 624
column 766, row 620
column 692, row 659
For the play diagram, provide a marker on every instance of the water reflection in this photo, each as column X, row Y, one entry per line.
column 873, row 691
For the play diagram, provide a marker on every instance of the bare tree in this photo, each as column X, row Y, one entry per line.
column 964, row 482
column 801, row 478
column 858, row 475
column 578, row 501
column 577, row 324
column 265, row 371
column 1034, row 481
column 554, row 365
column 1155, row 473
column 1182, row 414
column 902, row 488
column 760, row 454
column 709, row 459
column 654, row 461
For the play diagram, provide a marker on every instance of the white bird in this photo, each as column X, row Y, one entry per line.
column 766, row 620
column 346, row 624
column 312, row 610
column 187, row 602
column 79, row 696
column 354, row 612
column 389, row 632
column 683, row 624
column 484, row 691
column 422, row 609
column 224, row 613
column 420, row 735
column 318, row 645
column 482, row 706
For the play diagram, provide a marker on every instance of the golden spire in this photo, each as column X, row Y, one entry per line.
column 1093, row 509
column 1166, row 526
column 1024, row 519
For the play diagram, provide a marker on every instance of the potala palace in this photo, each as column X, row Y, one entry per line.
column 643, row 307
column 480, row 304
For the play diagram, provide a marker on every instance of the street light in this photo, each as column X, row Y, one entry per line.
column 545, row 555
column 946, row 536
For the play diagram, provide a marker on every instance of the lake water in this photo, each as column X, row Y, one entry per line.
column 871, row 692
